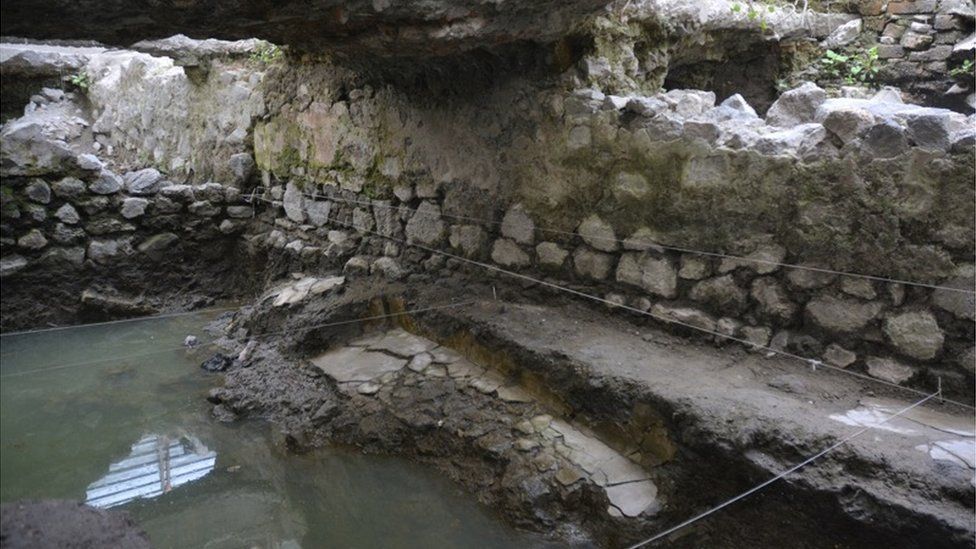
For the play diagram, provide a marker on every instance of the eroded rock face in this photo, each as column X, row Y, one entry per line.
column 413, row 27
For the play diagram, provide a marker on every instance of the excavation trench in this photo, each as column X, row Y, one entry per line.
column 597, row 307
column 531, row 425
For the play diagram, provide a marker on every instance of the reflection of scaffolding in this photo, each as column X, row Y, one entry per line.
column 156, row 465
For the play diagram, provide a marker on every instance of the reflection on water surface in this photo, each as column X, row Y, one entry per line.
column 156, row 465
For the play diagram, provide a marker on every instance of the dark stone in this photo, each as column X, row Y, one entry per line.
column 326, row 412
column 397, row 29
column 219, row 362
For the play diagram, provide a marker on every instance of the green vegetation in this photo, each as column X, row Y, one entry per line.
column 860, row 68
column 964, row 70
column 759, row 10
column 266, row 54
column 755, row 10
column 81, row 81
column 375, row 190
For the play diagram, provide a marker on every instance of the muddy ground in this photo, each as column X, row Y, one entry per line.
column 67, row 524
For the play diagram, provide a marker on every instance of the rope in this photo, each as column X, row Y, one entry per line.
column 815, row 364
column 789, row 471
column 214, row 342
column 120, row 321
column 671, row 248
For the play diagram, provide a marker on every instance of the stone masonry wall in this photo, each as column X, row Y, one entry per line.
column 87, row 242
column 594, row 190
column 921, row 41
column 608, row 186
column 896, row 333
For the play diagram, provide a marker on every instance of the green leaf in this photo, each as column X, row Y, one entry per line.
column 838, row 57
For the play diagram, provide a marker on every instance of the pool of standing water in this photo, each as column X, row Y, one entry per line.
column 116, row 415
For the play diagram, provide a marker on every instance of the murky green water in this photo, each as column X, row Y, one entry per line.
column 135, row 433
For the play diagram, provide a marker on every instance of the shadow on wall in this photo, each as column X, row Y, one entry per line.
column 752, row 73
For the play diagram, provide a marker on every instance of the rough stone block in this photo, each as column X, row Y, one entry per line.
column 468, row 238
column 33, row 240
column 908, row 7
column 67, row 214
column 772, row 299
column 107, row 182
column 550, row 255
column 892, row 51
column 518, row 226
column 915, row 41
column 838, row 356
column 591, row 263
column 294, row 203
column 69, row 187
column 598, row 234
column 686, row 316
column 796, row 106
column 133, row 207
column 916, row 334
column 936, row 53
column 841, row 315
column 426, row 226
column 889, row 370
column 39, row 191
column 720, row 293
column 508, row 254
column 143, row 182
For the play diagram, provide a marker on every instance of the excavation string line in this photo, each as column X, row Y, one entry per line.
column 255, row 337
column 120, row 321
column 650, row 243
column 785, row 473
column 814, row 364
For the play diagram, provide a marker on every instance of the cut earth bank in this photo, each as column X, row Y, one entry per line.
column 205, row 170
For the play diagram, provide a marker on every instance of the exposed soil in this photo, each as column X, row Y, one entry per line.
column 65, row 524
column 56, row 296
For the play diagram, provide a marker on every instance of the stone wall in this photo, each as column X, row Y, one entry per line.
column 147, row 111
column 602, row 192
column 644, row 46
column 921, row 41
column 186, row 115
column 80, row 240
column 594, row 190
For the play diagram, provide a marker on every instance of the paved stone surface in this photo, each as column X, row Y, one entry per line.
column 402, row 343
column 295, row 293
column 633, row 498
column 371, row 361
column 350, row 364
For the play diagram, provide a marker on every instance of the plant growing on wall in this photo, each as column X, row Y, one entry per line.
column 80, row 81
column 759, row 10
column 860, row 68
column 963, row 71
column 266, row 53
